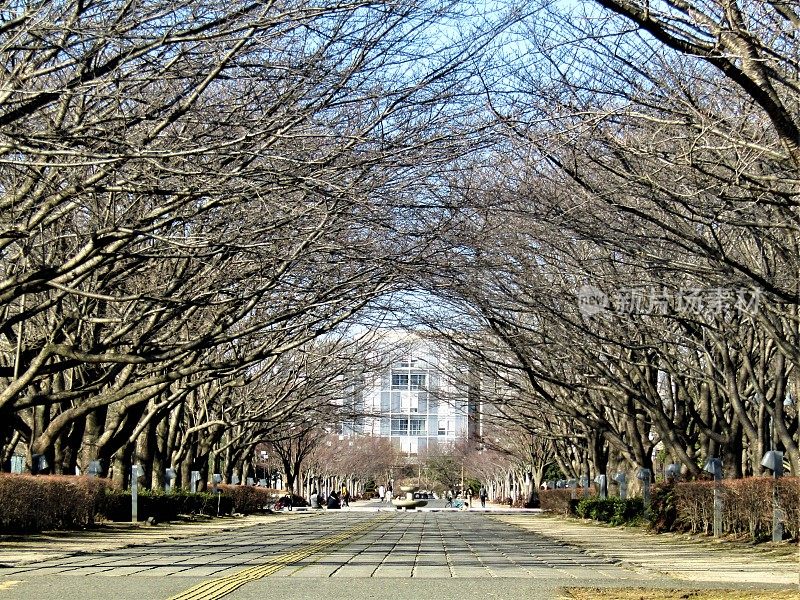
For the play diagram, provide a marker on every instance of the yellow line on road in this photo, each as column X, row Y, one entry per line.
column 7, row 585
column 217, row 588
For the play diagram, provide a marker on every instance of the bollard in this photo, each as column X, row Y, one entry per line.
column 644, row 475
column 216, row 479
column 714, row 466
column 94, row 468
column 773, row 460
column 169, row 480
column 134, row 493
column 623, row 485
column 195, row 477
column 672, row 472
column 602, row 484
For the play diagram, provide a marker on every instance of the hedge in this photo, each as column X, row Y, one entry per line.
column 611, row 510
column 747, row 506
column 45, row 502
column 248, row 499
column 689, row 506
column 34, row 503
column 559, row 500
column 116, row 505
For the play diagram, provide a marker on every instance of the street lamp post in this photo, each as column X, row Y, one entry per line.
column 773, row 460
column 644, row 476
column 714, row 466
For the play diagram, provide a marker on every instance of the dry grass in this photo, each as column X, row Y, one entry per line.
column 661, row 594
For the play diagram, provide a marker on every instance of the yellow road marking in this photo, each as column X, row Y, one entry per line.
column 217, row 588
column 7, row 585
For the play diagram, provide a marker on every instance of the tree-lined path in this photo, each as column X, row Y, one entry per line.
column 398, row 555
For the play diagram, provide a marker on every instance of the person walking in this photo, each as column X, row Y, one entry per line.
column 483, row 494
column 345, row 496
column 388, row 496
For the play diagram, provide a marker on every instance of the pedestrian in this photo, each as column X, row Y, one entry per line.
column 381, row 491
column 313, row 500
column 389, row 494
column 333, row 501
column 483, row 494
column 449, row 497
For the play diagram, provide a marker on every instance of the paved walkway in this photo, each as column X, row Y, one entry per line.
column 364, row 551
column 682, row 557
column 16, row 550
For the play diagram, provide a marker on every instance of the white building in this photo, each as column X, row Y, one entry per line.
column 420, row 399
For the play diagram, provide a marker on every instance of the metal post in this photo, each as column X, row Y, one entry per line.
column 717, row 509
column 773, row 460
column 134, row 493
column 585, row 485
column 714, row 466
column 195, row 477
column 644, row 475
column 602, row 484
column 94, row 468
column 169, row 480
column 622, row 480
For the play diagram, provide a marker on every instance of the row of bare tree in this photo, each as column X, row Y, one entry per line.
column 630, row 264
column 195, row 199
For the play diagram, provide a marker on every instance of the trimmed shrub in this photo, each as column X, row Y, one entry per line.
column 662, row 514
column 116, row 505
column 614, row 511
column 557, row 501
column 35, row 503
column 248, row 499
column 522, row 501
column 747, row 506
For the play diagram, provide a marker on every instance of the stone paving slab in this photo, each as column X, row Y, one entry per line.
column 682, row 559
column 17, row 550
column 432, row 546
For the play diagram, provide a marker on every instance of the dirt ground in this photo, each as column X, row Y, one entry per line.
column 651, row 594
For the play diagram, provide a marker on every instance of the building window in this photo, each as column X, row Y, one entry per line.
column 409, row 403
column 400, row 426
column 446, row 427
column 417, row 381
column 418, row 426
column 399, row 380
